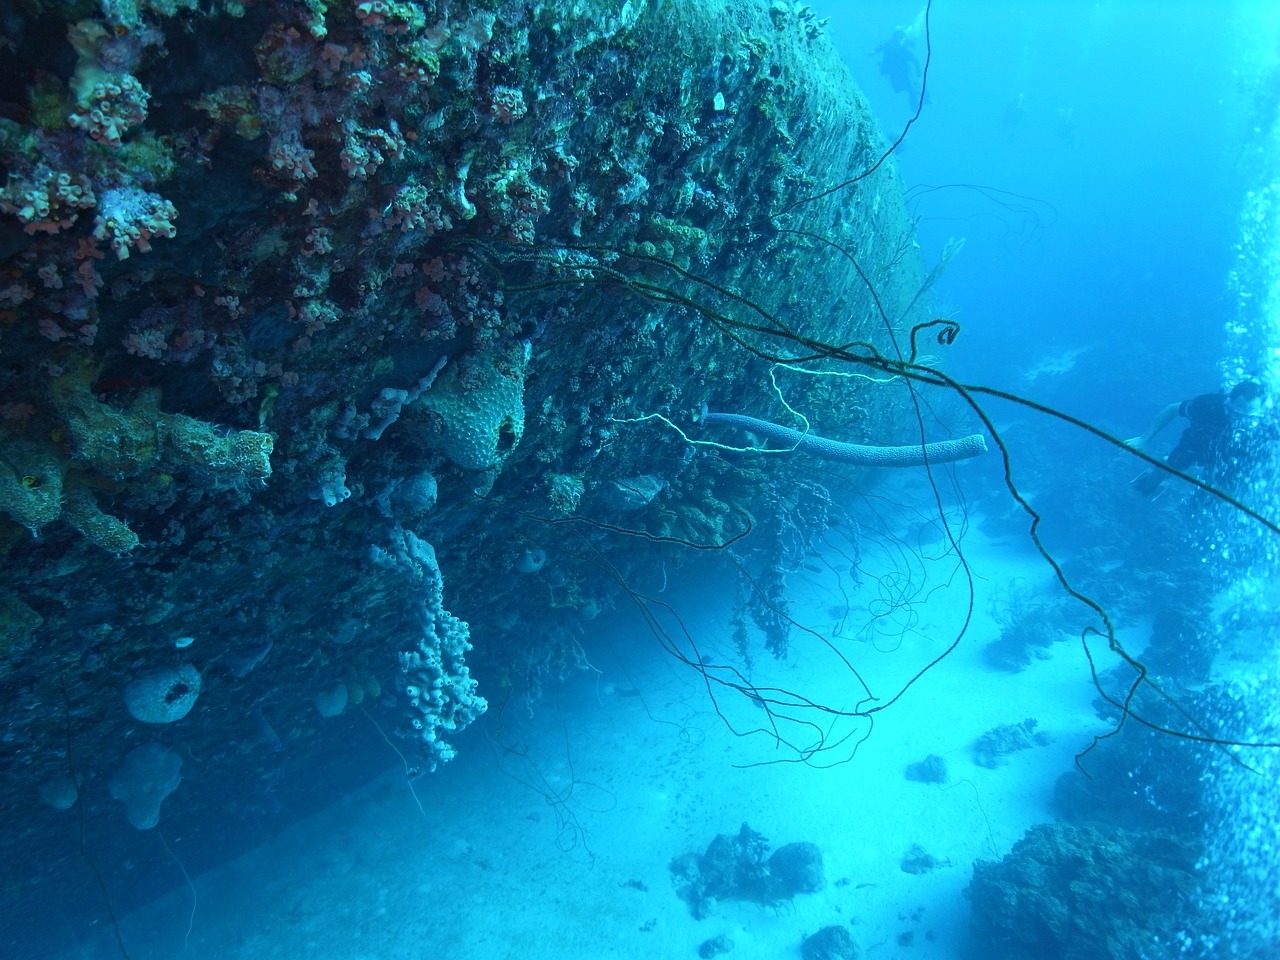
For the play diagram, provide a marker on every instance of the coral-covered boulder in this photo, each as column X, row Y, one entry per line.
column 1078, row 893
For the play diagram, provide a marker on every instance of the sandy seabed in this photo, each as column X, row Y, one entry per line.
column 551, row 837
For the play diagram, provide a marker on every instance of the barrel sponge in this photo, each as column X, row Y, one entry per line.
column 164, row 695
column 149, row 774
column 480, row 398
column 30, row 482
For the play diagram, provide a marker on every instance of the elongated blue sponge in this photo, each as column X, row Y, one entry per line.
column 911, row 455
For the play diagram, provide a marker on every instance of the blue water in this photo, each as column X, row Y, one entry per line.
column 1111, row 169
column 1147, row 131
column 1143, row 182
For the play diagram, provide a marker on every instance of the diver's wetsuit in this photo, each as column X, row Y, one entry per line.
column 1209, row 441
column 898, row 62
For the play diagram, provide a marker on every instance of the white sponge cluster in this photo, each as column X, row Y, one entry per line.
column 434, row 675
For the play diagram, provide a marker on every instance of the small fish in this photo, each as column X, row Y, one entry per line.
column 241, row 665
column 266, row 732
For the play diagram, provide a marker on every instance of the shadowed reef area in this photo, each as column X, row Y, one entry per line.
column 334, row 342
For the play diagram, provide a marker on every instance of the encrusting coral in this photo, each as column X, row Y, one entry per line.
column 415, row 261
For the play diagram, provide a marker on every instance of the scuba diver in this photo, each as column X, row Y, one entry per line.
column 1065, row 125
column 1014, row 113
column 1219, row 433
column 898, row 60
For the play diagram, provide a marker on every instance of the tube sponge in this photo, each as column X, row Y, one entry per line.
column 164, row 695
column 910, row 455
column 150, row 773
column 101, row 529
column 142, row 438
column 236, row 454
column 30, row 483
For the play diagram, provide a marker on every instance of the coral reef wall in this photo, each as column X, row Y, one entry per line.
column 314, row 315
